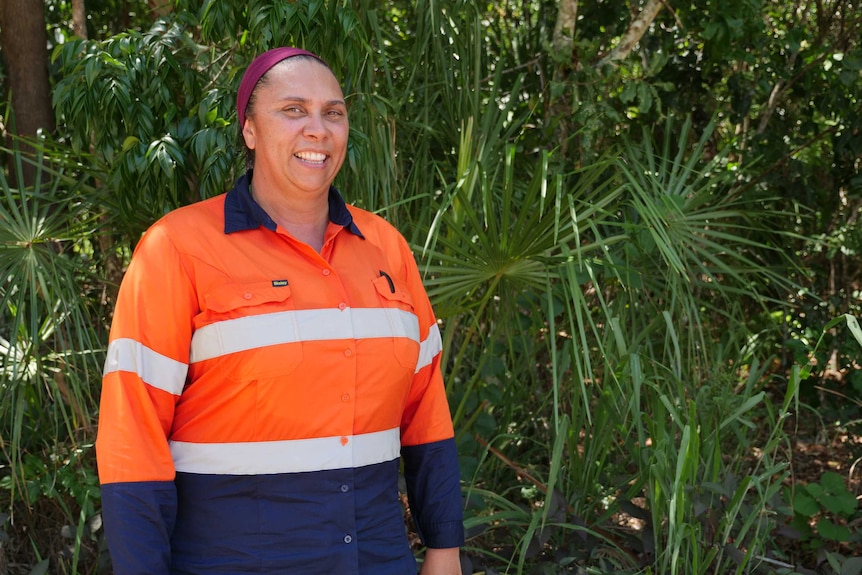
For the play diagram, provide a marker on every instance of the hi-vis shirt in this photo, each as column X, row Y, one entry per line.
column 258, row 397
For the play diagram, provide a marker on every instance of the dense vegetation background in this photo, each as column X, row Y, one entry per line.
column 638, row 221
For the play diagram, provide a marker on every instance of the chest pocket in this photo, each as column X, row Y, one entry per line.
column 251, row 331
column 403, row 322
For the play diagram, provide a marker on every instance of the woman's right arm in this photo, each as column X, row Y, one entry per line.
column 145, row 372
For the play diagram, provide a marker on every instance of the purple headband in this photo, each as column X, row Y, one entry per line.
column 260, row 66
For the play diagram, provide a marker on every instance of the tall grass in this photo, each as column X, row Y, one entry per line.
column 594, row 321
column 51, row 350
column 595, row 325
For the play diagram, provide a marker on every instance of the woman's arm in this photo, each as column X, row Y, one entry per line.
column 442, row 562
column 145, row 371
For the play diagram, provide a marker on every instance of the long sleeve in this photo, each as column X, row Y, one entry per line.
column 145, row 371
column 428, row 445
column 139, row 518
column 434, row 492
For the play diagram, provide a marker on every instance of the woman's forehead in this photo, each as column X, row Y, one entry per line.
column 304, row 74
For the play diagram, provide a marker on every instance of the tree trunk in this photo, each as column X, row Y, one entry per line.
column 79, row 19
column 564, row 31
column 633, row 35
column 23, row 41
column 160, row 7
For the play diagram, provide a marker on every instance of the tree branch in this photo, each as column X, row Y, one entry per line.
column 633, row 35
column 781, row 87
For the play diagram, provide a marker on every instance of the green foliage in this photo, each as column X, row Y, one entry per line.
column 49, row 352
column 51, row 349
column 154, row 120
column 829, row 497
column 104, row 18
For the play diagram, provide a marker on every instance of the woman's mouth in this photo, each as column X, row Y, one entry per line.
column 311, row 157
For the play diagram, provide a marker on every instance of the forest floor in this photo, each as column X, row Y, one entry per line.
column 826, row 436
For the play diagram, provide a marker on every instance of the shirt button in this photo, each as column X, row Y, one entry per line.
column 342, row 306
column 344, row 440
column 345, row 397
column 348, row 538
column 348, row 353
column 345, row 488
column 326, row 272
column 247, row 295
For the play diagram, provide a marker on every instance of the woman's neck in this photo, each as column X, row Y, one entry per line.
column 305, row 219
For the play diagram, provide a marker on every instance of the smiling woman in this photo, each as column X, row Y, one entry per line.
column 273, row 359
column 296, row 125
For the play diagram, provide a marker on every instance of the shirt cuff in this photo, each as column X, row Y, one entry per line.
column 444, row 535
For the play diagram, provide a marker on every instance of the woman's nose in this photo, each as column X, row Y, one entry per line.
column 314, row 125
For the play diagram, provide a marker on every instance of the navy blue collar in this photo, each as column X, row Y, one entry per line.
column 241, row 212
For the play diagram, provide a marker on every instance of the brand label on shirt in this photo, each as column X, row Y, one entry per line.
column 279, row 283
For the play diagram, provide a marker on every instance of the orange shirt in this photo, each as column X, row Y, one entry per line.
column 237, row 351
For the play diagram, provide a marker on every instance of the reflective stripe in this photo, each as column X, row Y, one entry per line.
column 255, row 331
column 153, row 368
column 292, row 456
column 429, row 348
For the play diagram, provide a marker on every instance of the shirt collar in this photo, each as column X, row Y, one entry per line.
column 241, row 212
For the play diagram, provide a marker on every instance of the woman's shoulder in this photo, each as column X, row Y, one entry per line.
column 372, row 223
column 190, row 222
column 207, row 212
column 206, row 209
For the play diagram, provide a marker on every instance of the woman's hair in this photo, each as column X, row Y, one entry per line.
column 252, row 99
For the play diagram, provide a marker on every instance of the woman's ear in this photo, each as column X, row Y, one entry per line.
column 248, row 133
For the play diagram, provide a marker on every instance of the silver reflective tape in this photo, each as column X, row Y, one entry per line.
column 256, row 331
column 291, row 456
column 429, row 348
column 153, row 368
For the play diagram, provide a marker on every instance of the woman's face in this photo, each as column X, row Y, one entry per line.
column 297, row 128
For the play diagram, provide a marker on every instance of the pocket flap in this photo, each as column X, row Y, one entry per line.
column 392, row 291
column 232, row 296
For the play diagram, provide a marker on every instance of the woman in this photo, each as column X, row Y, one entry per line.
column 272, row 354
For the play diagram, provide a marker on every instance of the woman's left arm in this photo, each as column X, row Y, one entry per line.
column 442, row 562
column 428, row 445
